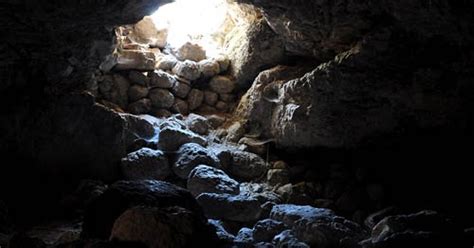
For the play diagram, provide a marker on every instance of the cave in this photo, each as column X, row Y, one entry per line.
column 236, row 123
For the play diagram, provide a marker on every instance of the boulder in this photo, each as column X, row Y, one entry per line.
column 223, row 62
column 246, row 165
column 210, row 97
column 206, row 179
column 138, row 78
column 209, row 68
column 139, row 107
column 195, row 99
column 288, row 239
column 114, row 88
column 221, row 232
column 230, row 207
column 317, row 226
column 244, row 236
column 198, row 124
column 222, row 106
column 190, row 51
column 181, row 89
column 191, row 155
column 145, row 163
column 163, row 227
column 187, row 69
column 137, row 92
column 161, row 98
column 100, row 215
column 166, row 62
column 135, row 60
column 161, row 113
column 180, row 106
column 172, row 138
column 266, row 230
column 222, row 84
column 161, row 79
column 278, row 176
column 146, row 32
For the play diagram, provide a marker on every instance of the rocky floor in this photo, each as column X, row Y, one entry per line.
column 201, row 183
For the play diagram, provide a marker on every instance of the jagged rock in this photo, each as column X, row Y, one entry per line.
column 187, row 69
column 198, row 124
column 244, row 236
column 222, row 84
column 161, row 98
column 135, row 60
column 180, row 106
column 172, row 138
column 262, row 192
column 101, row 214
column 191, row 155
column 209, row 68
column 317, row 226
column 266, row 230
column 163, row 227
column 141, row 106
column 114, row 88
column 206, row 179
column 181, row 89
column 137, row 92
column 210, row 97
column 146, row 32
column 246, row 165
column 166, row 62
column 424, row 229
column 230, row 207
column 278, row 176
column 138, row 78
column 145, row 164
column 195, row 98
column 221, row 232
column 161, row 79
column 190, row 51
column 288, row 239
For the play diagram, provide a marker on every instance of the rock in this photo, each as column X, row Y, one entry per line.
column 161, row 113
column 146, row 32
column 317, row 226
column 278, row 176
column 195, row 99
column 206, row 179
column 198, row 124
column 222, row 234
column 180, row 106
column 137, row 92
column 210, row 97
column 324, row 203
column 253, row 145
column 101, row 214
column 223, row 62
column 222, row 84
column 244, row 236
column 162, row 227
column 181, row 89
column 216, row 120
column 191, row 155
column 161, row 79
column 235, row 132
column 114, row 88
column 161, row 98
column 262, row 192
column 266, row 230
column 222, row 106
column 172, row 138
column 230, row 207
column 145, row 164
column 209, row 68
column 376, row 217
column 193, row 52
column 206, row 110
column 139, row 107
column 135, row 60
column 166, row 62
column 228, row 98
column 138, row 78
column 246, row 166
column 425, row 229
column 187, row 69
column 280, row 164
column 288, row 239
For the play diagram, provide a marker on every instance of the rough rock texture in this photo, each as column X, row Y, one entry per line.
column 161, row 79
column 191, row 155
column 190, row 51
column 195, row 99
column 161, row 98
column 145, row 163
column 101, row 214
column 318, row 227
column 171, row 138
column 230, row 207
column 222, row 84
column 198, row 124
column 246, row 165
column 187, row 69
column 266, row 230
column 162, row 227
column 206, row 179
column 146, row 32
